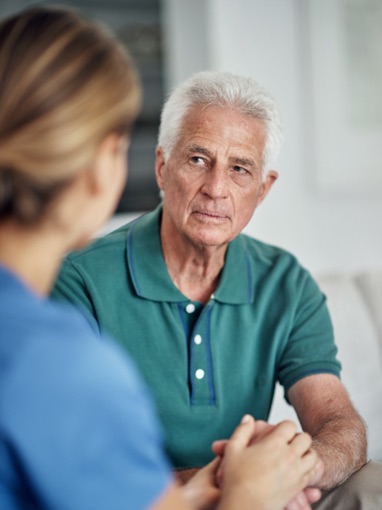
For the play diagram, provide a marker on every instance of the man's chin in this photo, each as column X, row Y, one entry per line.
column 210, row 239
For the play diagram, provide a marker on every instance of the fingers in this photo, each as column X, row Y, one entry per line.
column 301, row 443
column 312, row 494
column 219, row 446
column 299, row 502
column 201, row 490
column 318, row 472
column 250, row 431
column 304, row 499
column 262, row 428
column 309, row 463
column 212, row 467
column 285, row 432
column 242, row 434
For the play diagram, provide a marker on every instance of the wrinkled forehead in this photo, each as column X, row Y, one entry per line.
column 217, row 128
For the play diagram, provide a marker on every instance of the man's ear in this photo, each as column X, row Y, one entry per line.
column 160, row 163
column 267, row 184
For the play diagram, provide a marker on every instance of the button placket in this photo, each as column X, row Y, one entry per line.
column 199, row 361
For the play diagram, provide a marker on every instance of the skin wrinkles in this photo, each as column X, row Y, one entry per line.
column 213, row 178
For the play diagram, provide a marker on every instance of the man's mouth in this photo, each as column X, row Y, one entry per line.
column 206, row 215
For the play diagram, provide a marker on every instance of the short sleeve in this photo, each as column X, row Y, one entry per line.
column 310, row 348
column 85, row 430
column 71, row 286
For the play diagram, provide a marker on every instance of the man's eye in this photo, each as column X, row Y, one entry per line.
column 240, row 170
column 197, row 160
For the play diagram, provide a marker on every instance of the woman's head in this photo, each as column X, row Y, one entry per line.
column 65, row 85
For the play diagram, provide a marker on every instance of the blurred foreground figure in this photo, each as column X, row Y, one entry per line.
column 77, row 428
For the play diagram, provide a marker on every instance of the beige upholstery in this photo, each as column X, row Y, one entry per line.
column 355, row 304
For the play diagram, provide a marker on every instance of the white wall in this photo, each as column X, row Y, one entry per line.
column 268, row 41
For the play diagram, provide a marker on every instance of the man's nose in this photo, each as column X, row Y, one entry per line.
column 216, row 184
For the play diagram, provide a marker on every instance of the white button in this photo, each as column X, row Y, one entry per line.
column 190, row 308
column 212, row 296
column 197, row 339
column 199, row 374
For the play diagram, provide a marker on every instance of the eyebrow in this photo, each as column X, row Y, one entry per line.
column 244, row 162
column 201, row 150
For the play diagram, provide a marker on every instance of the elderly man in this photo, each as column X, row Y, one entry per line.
column 213, row 317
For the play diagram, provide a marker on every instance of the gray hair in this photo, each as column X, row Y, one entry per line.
column 214, row 88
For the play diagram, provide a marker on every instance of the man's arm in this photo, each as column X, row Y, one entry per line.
column 327, row 414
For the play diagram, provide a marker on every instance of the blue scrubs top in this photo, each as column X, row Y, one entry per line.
column 77, row 427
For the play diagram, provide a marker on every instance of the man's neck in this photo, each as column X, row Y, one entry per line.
column 195, row 270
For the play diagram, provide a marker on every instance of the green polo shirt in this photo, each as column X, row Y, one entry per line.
column 206, row 365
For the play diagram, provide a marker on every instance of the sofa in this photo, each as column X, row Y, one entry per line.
column 355, row 305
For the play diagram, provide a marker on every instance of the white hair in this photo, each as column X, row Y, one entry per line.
column 214, row 88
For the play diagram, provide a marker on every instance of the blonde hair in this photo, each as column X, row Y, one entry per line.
column 65, row 84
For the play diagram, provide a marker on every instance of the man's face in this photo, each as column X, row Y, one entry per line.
column 213, row 180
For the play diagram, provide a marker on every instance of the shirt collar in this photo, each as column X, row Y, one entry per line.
column 152, row 281
column 236, row 281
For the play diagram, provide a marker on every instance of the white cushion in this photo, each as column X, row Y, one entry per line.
column 359, row 353
column 371, row 288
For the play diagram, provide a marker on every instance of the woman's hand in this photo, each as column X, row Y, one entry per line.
column 201, row 491
column 267, row 465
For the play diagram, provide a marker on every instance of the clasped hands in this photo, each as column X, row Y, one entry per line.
column 272, row 466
